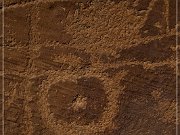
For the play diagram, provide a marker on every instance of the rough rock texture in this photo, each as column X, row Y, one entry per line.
column 90, row 67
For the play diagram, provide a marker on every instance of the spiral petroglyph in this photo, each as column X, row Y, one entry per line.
column 90, row 67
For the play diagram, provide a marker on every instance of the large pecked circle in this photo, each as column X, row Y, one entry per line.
column 71, row 102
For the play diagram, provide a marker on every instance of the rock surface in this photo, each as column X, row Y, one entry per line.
column 90, row 67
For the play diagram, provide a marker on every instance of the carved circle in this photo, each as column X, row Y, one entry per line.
column 78, row 102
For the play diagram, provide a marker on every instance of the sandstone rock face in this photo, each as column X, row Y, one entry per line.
column 90, row 67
